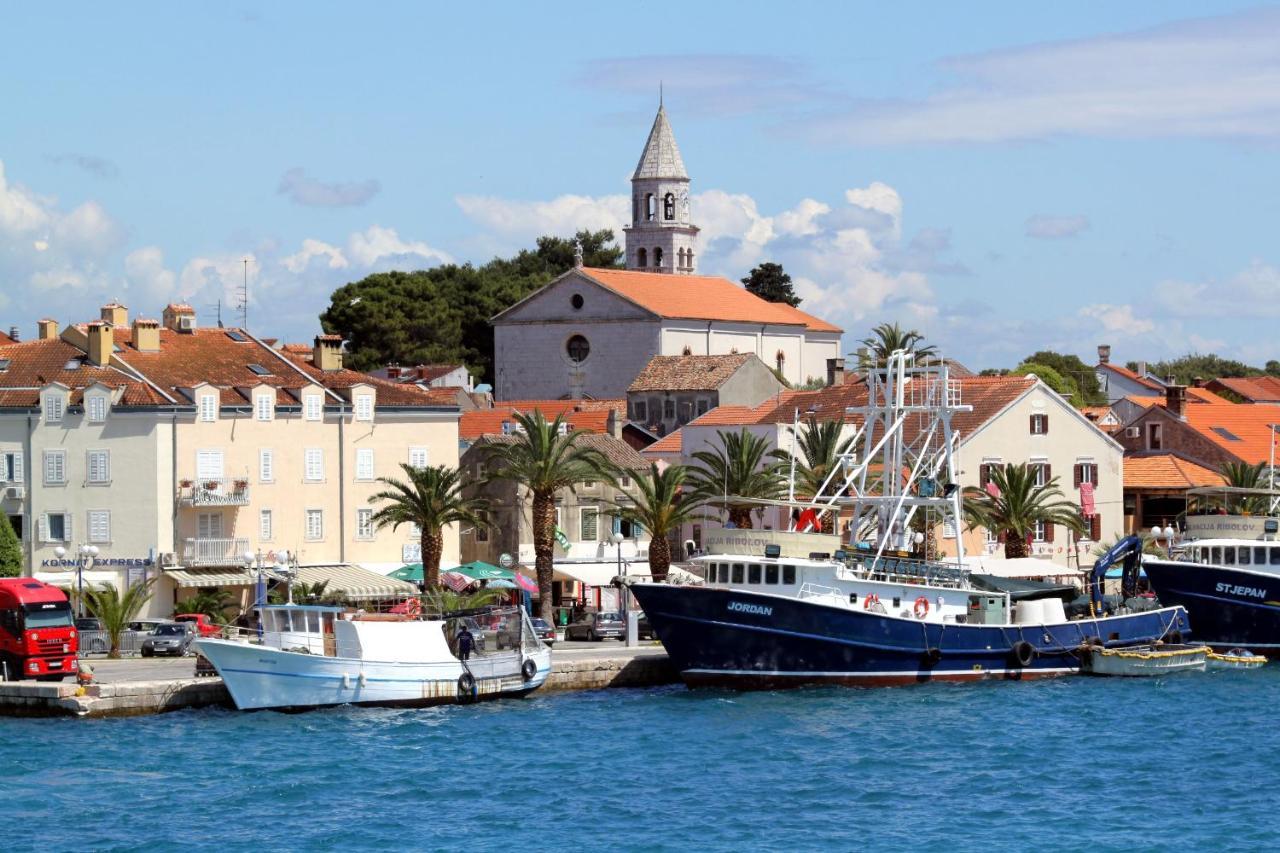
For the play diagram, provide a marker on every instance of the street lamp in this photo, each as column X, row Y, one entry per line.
column 87, row 555
column 250, row 559
column 1166, row 533
column 623, row 602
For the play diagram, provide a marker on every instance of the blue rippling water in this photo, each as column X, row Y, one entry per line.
column 1185, row 763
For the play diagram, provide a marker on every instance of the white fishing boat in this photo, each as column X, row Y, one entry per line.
column 1234, row 659
column 313, row 656
column 1143, row 661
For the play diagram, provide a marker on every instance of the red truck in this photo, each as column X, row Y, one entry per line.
column 203, row 626
column 37, row 634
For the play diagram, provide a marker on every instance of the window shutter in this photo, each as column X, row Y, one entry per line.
column 984, row 474
column 1077, row 472
column 1048, row 473
column 1032, row 428
column 43, row 525
column 1044, row 424
column 67, row 535
column 1048, row 531
column 17, row 467
column 1095, row 526
column 1093, row 470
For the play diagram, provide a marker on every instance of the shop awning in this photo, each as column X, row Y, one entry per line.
column 223, row 576
column 594, row 574
column 355, row 582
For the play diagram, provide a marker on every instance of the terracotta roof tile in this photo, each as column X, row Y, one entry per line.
column 1242, row 429
column 551, row 408
column 35, row 363
column 1167, row 471
column 689, row 372
column 671, row 444
column 1255, row 389
column 701, row 297
column 480, row 422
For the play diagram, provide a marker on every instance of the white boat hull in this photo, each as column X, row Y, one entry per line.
column 1144, row 661
column 263, row 677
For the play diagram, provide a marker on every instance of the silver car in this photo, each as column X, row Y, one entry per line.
column 595, row 626
column 170, row 638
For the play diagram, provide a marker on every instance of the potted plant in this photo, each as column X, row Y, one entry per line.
column 241, row 485
column 186, row 484
column 211, row 485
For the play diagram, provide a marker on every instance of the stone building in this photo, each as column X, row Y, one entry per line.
column 661, row 235
column 674, row 389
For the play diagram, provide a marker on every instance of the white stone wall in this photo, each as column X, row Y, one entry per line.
column 532, row 362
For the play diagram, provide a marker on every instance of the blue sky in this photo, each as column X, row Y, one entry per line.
column 1004, row 176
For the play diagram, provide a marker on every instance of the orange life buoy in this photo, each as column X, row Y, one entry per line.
column 870, row 601
column 922, row 607
column 413, row 609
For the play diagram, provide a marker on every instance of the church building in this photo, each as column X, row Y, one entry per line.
column 590, row 332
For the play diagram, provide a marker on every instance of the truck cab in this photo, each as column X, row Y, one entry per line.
column 37, row 633
column 203, row 626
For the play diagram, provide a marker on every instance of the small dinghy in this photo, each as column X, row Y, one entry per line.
column 1234, row 659
column 1143, row 661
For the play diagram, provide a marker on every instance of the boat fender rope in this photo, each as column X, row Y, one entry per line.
column 921, row 607
column 1024, row 653
column 466, row 684
column 528, row 669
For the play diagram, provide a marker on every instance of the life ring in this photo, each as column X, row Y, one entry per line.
column 413, row 609
column 870, row 601
column 466, row 684
column 1024, row 653
column 921, row 607
column 528, row 669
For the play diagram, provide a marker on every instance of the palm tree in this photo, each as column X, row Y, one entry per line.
column 820, row 448
column 1018, row 505
column 742, row 466
column 889, row 337
column 1242, row 475
column 545, row 457
column 116, row 611
column 431, row 498
column 659, row 506
column 443, row 600
column 213, row 603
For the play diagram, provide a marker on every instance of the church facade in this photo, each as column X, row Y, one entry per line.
column 590, row 332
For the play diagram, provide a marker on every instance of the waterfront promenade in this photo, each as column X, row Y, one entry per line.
column 134, row 686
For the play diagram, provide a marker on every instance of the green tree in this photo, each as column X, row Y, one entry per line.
column 772, row 284
column 116, row 611
column 432, row 499
column 442, row 314
column 1082, row 376
column 213, row 602
column 821, row 446
column 544, row 458
column 660, row 506
column 1242, row 475
column 1012, row 513
column 886, row 339
column 1193, row 366
column 740, row 466
column 1052, row 378
column 10, row 550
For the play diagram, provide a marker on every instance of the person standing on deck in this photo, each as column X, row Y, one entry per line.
column 466, row 642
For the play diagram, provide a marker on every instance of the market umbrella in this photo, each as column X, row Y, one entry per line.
column 411, row 572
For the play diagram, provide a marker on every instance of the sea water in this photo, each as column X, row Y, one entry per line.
column 1186, row 762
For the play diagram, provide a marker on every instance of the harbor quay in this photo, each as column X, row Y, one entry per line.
column 134, row 687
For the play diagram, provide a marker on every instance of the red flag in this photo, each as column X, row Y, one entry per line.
column 1086, row 499
column 808, row 521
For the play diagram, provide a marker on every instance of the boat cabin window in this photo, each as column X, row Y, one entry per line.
column 771, row 574
column 1244, row 557
column 789, row 574
column 753, row 573
column 724, row 573
column 737, row 572
column 313, row 622
column 1215, row 555
column 1275, row 556
column 1259, row 555
column 1228, row 556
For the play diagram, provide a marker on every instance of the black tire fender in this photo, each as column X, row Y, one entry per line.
column 1174, row 637
column 931, row 656
column 528, row 669
column 1023, row 653
column 467, row 684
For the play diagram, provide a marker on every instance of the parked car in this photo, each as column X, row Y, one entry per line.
column 146, row 626
column 203, row 624
column 542, row 628
column 84, row 623
column 171, row 638
column 644, row 630
column 595, row 627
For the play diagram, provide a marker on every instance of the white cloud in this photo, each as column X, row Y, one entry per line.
column 148, row 280
column 1046, row 227
column 21, row 212
column 87, row 230
column 378, row 245
column 311, row 249
column 1118, row 319
column 566, row 214
column 1255, row 290
column 881, row 198
column 313, row 193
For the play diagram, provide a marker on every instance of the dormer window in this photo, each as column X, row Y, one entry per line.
column 96, row 408
column 264, row 407
column 208, row 408
column 53, row 408
column 364, row 407
column 313, row 406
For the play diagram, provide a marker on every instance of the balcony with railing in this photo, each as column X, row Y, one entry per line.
column 214, row 491
column 214, row 552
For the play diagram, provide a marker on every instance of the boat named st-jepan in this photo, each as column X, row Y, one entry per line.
column 313, row 656
column 783, row 609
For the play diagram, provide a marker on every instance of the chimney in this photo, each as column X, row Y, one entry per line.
column 14, row 334
column 146, row 335
column 327, row 352
column 393, row 371
column 1104, row 353
column 1197, row 381
column 1175, row 400
column 613, row 424
column 179, row 317
column 835, row 371
column 46, row 329
column 115, row 314
column 1141, row 369
column 100, row 344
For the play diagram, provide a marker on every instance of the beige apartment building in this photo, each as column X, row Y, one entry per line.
column 175, row 450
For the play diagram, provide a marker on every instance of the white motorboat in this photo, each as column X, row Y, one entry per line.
column 1143, row 661
column 313, row 656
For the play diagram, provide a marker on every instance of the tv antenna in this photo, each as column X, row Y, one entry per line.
column 244, row 298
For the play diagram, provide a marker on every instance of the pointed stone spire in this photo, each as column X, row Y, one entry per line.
column 661, row 157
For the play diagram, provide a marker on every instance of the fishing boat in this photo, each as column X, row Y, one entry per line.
column 1226, row 569
column 1143, row 661
column 786, row 608
column 314, row 656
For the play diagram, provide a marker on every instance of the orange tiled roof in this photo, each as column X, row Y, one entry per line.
column 1167, row 471
column 1241, row 429
column 1129, row 374
column 688, row 372
column 480, row 422
column 36, row 363
column 1255, row 389
column 671, row 444
column 701, row 297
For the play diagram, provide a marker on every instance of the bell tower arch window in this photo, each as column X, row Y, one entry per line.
column 650, row 207
column 669, row 207
column 642, row 257
column 657, row 257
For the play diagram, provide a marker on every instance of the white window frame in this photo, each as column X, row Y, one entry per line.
column 103, row 475
column 364, row 407
column 99, row 526
column 313, row 407
column 313, row 533
column 948, row 528
column 208, row 408
column 206, row 456
column 364, row 524
column 95, row 408
column 54, row 407
column 266, row 465
column 1038, row 532
column 990, row 537
column 266, row 526
column 55, row 463
column 44, row 532
column 1039, row 464
column 12, row 470
column 1086, row 464
column 205, row 526
column 419, row 457
column 364, row 464
column 264, row 408
column 313, row 465
column 582, row 522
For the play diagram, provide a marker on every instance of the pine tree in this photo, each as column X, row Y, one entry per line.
column 10, row 550
column 772, row 284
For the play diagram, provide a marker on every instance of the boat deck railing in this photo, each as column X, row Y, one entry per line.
column 813, row 590
column 904, row 570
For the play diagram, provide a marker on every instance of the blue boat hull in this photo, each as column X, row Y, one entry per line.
column 1231, row 607
column 732, row 638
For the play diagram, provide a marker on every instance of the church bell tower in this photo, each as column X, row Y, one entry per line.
column 660, row 237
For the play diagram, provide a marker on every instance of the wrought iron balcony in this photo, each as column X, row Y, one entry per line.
column 214, row 552
column 214, row 491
